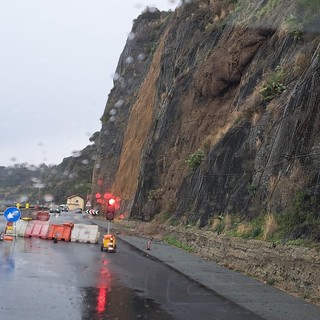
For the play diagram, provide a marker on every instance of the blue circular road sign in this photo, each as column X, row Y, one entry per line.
column 12, row 214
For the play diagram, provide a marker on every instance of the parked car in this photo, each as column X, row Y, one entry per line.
column 78, row 210
column 63, row 208
column 54, row 209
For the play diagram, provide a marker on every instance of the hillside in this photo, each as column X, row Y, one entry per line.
column 213, row 119
column 48, row 183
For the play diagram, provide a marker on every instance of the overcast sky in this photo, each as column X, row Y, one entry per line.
column 57, row 62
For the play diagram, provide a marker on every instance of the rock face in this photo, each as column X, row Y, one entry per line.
column 238, row 81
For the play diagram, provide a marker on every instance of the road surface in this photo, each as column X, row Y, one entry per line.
column 40, row 279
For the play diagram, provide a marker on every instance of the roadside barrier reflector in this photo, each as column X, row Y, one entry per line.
column 85, row 233
column 26, row 218
column 8, row 238
column 60, row 231
column 38, row 229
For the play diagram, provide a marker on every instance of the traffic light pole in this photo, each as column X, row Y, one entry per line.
column 108, row 226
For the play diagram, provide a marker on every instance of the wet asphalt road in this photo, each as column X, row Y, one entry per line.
column 43, row 280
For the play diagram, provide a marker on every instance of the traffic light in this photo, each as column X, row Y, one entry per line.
column 110, row 209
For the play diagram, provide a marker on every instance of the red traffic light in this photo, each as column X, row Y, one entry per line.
column 111, row 202
column 110, row 209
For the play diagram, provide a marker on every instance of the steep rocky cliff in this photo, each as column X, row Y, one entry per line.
column 214, row 113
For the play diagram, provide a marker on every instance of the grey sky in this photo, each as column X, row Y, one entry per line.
column 57, row 62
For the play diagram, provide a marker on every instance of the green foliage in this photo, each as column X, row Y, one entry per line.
column 173, row 221
column 268, row 8
column 209, row 27
column 307, row 13
column 174, row 242
column 155, row 195
column 252, row 189
column 220, row 227
column 154, row 47
column 294, row 26
column 309, row 9
column 300, row 222
column 189, row 7
column 297, row 242
column 195, row 159
column 274, row 86
column 270, row 281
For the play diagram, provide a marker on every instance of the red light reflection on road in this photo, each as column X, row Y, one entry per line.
column 104, row 287
column 102, row 300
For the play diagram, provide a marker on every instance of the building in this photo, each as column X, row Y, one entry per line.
column 75, row 202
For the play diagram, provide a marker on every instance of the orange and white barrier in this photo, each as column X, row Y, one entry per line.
column 60, row 232
column 37, row 229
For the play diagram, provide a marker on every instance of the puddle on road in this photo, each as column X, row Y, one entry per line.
column 120, row 303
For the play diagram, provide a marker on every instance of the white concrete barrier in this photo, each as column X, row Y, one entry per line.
column 85, row 233
column 19, row 228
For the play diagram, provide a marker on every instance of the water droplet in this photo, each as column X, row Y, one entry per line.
column 119, row 103
column 48, row 197
column 129, row 60
column 152, row 9
column 141, row 56
column 116, row 76
column 39, row 185
column 23, row 198
column 113, row 112
column 76, row 154
column 131, row 36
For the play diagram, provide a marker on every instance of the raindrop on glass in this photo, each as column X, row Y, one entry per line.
column 76, row 154
column 39, row 185
column 119, row 103
column 131, row 36
column 113, row 112
column 129, row 60
column 141, row 56
column 152, row 9
column 23, row 198
column 116, row 76
column 48, row 197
